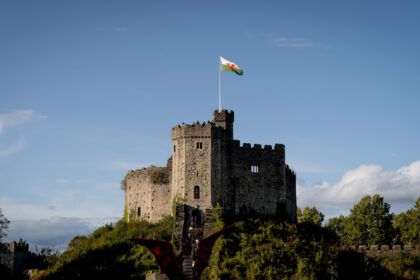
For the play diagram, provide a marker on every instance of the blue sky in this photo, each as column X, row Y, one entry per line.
column 91, row 89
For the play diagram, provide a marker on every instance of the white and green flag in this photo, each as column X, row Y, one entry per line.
column 228, row 66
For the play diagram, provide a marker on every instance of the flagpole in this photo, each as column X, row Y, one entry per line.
column 220, row 89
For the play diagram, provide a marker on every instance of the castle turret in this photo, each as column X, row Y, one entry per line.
column 225, row 119
column 210, row 167
column 191, row 163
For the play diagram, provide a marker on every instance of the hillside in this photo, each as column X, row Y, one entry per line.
column 258, row 249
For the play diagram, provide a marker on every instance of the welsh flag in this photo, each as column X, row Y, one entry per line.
column 228, row 66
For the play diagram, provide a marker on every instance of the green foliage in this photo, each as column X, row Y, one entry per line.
column 123, row 184
column 177, row 200
column 107, row 253
column 369, row 222
column 269, row 250
column 4, row 224
column 158, row 175
column 216, row 223
column 260, row 248
column 337, row 225
column 310, row 215
column 43, row 258
column 407, row 225
column 402, row 265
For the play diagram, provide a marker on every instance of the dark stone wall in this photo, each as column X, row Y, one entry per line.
column 205, row 157
column 13, row 260
column 259, row 177
column 223, row 170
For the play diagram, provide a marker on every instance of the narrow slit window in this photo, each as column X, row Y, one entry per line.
column 199, row 145
column 196, row 192
column 174, row 148
column 138, row 212
column 254, row 169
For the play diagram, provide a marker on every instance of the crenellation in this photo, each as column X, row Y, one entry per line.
column 208, row 167
column 246, row 146
column 13, row 259
column 384, row 250
column 279, row 147
column 236, row 144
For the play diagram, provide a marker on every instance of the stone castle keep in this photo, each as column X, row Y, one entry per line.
column 208, row 166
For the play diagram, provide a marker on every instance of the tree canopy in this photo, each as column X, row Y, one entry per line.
column 4, row 224
column 310, row 215
column 407, row 225
column 369, row 222
column 260, row 248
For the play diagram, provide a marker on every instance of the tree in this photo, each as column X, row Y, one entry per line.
column 407, row 225
column 4, row 224
column 369, row 222
column 310, row 215
column 337, row 225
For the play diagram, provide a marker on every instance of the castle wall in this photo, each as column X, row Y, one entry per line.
column 191, row 162
column 291, row 204
column 209, row 167
column 222, row 159
column 219, row 171
column 384, row 250
column 14, row 257
column 145, row 200
column 258, row 176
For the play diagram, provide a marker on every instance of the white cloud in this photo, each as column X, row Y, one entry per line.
column 12, row 149
column 398, row 187
column 18, row 117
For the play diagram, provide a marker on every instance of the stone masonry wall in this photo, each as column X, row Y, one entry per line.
column 208, row 167
column 13, row 256
column 259, row 177
column 144, row 199
column 191, row 162
column 385, row 250
column 291, row 204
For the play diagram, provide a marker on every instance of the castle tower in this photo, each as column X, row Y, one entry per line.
column 209, row 167
column 191, row 164
column 199, row 160
column 221, row 158
column 225, row 119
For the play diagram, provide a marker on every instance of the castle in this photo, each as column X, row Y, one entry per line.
column 13, row 260
column 208, row 166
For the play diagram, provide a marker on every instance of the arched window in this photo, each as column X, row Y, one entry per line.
column 196, row 192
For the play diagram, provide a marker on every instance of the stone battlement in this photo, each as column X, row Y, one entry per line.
column 14, row 247
column 197, row 124
column 288, row 169
column 224, row 116
column 384, row 250
column 209, row 167
column 197, row 130
column 257, row 147
column 153, row 174
column 13, row 259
